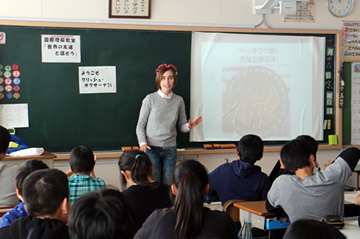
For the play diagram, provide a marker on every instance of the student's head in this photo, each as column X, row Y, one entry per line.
column 250, row 148
column 81, row 160
column 296, row 154
column 311, row 141
column 24, row 170
column 190, row 183
column 46, row 193
column 101, row 215
column 312, row 229
column 4, row 141
column 135, row 165
column 160, row 71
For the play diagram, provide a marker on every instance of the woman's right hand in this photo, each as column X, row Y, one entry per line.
column 144, row 147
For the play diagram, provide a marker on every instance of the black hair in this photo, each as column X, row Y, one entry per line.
column 81, row 159
column 25, row 169
column 250, row 148
column 190, row 178
column 139, row 165
column 44, row 190
column 4, row 140
column 295, row 154
column 311, row 141
column 312, row 229
column 101, row 215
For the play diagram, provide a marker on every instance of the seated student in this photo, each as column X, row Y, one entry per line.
column 103, row 214
column 188, row 218
column 144, row 195
column 7, row 172
column 310, row 194
column 46, row 197
column 82, row 164
column 22, row 172
column 312, row 229
column 241, row 179
column 279, row 168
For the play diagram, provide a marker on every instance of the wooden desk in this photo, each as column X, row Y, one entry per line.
column 351, row 229
column 254, row 212
column 46, row 157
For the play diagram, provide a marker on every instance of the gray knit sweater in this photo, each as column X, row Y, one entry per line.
column 7, row 186
column 157, row 120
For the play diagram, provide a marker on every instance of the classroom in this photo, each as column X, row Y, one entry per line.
column 173, row 16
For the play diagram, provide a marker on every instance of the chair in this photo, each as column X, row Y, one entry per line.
column 232, row 210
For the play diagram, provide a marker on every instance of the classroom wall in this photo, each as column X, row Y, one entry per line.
column 186, row 12
column 226, row 13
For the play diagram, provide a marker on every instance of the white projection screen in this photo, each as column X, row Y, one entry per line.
column 268, row 85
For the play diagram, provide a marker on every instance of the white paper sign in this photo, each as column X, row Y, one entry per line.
column 14, row 115
column 97, row 79
column 355, row 103
column 60, row 48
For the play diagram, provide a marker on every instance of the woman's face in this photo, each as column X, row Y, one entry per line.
column 167, row 82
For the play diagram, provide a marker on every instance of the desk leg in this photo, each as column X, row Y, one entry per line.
column 255, row 220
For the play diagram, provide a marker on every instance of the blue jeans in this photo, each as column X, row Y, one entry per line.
column 164, row 160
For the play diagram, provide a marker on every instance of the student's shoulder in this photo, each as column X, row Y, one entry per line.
column 282, row 180
column 9, row 168
column 163, row 186
column 216, row 215
column 100, row 180
column 5, row 232
column 226, row 166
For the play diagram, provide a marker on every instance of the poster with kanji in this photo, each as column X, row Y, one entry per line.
column 14, row 115
column 305, row 13
column 60, row 48
column 351, row 40
column 97, row 79
column 355, row 103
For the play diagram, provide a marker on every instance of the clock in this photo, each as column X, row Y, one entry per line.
column 340, row 8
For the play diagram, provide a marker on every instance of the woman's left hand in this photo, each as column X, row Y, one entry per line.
column 195, row 122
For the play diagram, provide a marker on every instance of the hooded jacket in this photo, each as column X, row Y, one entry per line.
column 35, row 228
column 239, row 180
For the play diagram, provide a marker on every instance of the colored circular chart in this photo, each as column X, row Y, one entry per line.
column 7, row 68
column 16, row 95
column 1, row 73
column 9, row 95
column 1, row 80
column 16, row 73
column 1, row 88
column 1, row 96
column 16, row 81
column 15, row 67
column 16, row 88
column 8, row 81
column 1, row 66
column 8, row 88
column 7, row 73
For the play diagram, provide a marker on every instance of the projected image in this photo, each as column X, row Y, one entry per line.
column 260, row 102
column 269, row 85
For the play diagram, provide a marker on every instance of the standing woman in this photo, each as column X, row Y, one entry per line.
column 188, row 218
column 156, row 127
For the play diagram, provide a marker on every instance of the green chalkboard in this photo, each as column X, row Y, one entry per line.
column 347, row 104
column 59, row 117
